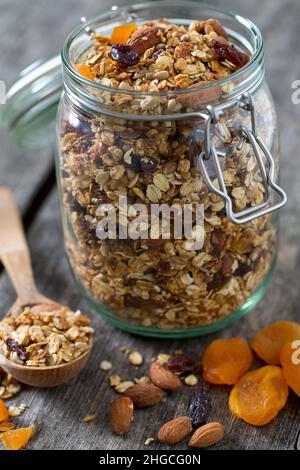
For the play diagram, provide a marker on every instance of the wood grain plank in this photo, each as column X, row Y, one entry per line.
column 59, row 411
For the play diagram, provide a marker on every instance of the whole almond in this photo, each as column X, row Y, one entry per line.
column 143, row 39
column 163, row 377
column 121, row 415
column 175, row 431
column 207, row 435
column 144, row 395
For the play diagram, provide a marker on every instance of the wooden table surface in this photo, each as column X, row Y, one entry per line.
column 31, row 30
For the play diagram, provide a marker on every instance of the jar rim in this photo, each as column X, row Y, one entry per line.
column 115, row 12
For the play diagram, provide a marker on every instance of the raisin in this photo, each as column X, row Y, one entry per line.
column 148, row 164
column 18, row 348
column 22, row 354
column 217, row 282
column 290, row 361
column 226, row 51
column 259, row 395
column 124, row 54
column 156, row 54
column 244, row 269
column 12, row 344
column 226, row 360
column 227, row 264
column 135, row 163
column 269, row 342
column 200, row 406
column 218, row 241
column 181, row 364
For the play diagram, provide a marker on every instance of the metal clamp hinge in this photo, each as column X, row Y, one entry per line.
column 267, row 172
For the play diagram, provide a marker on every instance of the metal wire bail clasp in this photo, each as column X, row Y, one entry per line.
column 267, row 172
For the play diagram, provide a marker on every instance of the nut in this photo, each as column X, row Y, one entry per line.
column 207, row 435
column 144, row 395
column 163, row 377
column 143, row 39
column 121, row 415
column 175, row 431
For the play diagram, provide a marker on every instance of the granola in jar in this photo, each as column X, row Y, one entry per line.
column 39, row 337
column 163, row 283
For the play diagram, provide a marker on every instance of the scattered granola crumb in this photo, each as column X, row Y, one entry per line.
column 178, row 352
column 148, row 441
column 123, row 386
column 89, row 418
column 105, row 365
column 124, row 350
column 191, row 380
column 143, row 380
column 114, row 380
column 17, row 410
column 8, row 385
column 163, row 358
column 135, row 358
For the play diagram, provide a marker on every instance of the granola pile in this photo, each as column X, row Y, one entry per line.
column 45, row 338
column 166, row 56
column 162, row 283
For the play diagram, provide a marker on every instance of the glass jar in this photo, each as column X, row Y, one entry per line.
column 215, row 146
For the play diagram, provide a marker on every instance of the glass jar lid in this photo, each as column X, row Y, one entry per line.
column 31, row 104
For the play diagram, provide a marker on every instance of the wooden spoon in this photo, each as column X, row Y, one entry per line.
column 14, row 254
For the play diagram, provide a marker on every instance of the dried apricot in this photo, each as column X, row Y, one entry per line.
column 4, row 415
column 85, row 71
column 16, row 439
column 226, row 360
column 290, row 360
column 6, row 426
column 259, row 395
column 122, row 33
column 269, row 342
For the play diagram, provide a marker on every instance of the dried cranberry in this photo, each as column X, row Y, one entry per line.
column 12, row 344
column 124, row 54
column 22, row 354
column 200, row 406
column 18, row 348
column 181, row 364
column 226, row 51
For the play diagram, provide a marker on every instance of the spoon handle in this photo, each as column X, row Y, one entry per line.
column 14, row 252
